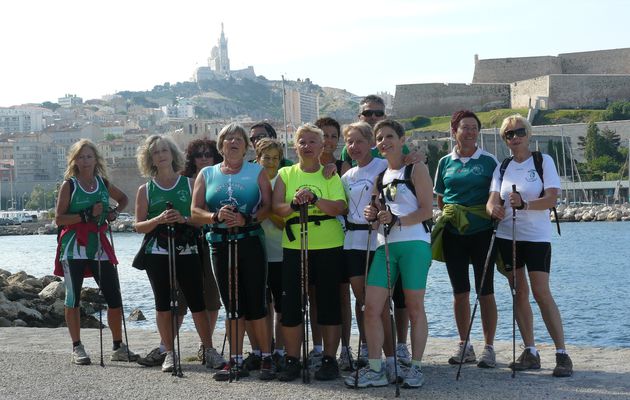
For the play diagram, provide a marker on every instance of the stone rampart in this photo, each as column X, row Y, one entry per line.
column 615, row 61
column 508, row 70
column 530, row 93
column 434, row 99
column 586, row 91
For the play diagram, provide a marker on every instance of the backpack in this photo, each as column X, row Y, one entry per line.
column 538, row 164
column 428, row 224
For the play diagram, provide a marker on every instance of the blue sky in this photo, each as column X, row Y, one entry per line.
column 95, row 48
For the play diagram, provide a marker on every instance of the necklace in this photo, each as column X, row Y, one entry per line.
column 90, row 186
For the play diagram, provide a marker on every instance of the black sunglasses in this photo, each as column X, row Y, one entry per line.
column 520, row 132
column 255, row 138
column 206, row 154
column 369, row 113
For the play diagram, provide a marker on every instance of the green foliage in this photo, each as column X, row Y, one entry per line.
column 50, row 106
column 434, row 153
column 40, row 199
column 111, row 136
column 489, row 119
column 419, row 121
column 555, row 117
column 617, row 110
column 602, row 153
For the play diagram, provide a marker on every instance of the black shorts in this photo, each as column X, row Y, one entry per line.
column 274, row 285
column 535, row 255
column 107, row 280
column 324, row 272
column 355, row 263
column 252, row 276
column 462, row 250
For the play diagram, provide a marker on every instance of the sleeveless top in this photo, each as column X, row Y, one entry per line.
column 180, row 194
column 240, row 190
column 79, row 200
column 402, row 201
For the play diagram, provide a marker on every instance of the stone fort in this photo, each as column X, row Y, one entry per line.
column 588, row 79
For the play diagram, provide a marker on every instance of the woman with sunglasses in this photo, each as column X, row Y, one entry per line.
column 530, row 203
column 462, row 183
column 403, row 249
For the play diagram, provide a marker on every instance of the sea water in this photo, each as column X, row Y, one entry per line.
column 589, row 281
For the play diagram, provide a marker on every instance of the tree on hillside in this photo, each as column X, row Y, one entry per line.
column 51, row 106
column 617, row 110
column 434, row 153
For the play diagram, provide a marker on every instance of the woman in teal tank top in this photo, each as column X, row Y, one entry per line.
column 160, row 160
column 84, row 250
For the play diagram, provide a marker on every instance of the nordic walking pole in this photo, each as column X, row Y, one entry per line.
column 306, row 376
column 392, row 321
column 483, row 280
column 236, row 313
column 514, row 287
column 367, row 267
column 122, row 308
column 172, row 271
column 99, row 252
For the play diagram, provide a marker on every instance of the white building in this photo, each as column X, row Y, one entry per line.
column 301, row 107
column 23, row 119
column 70, row 100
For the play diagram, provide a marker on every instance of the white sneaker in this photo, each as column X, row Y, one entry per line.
column 390, row 372
column 124, row 354
column 412, row 377
column 488, row 358
column 214, row 359
column 367, row 378
column 402, row 354
column 79, row 356
column 169, row 362
column 469, row 355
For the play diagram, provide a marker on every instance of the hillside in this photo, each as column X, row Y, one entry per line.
column 256, row 99
column 489, row 119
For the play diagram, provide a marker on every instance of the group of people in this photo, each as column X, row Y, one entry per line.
column 223, row 229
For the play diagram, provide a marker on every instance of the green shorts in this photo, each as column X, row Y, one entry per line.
column 410, row 259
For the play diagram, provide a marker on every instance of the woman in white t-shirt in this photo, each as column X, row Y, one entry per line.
column 530, row 202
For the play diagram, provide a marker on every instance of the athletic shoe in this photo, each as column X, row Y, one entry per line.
column 231, row 371
column 329, row 369
column 390, row 372
column 367, row 378
column 488, row 358
column 154, row 359
column 345, row 360
column 402, row 354
column 526, row 361
column 292, row 370
column 267, row 369
column 169, row 362
column 252, row 362
column 315, row 359
column 564, row 366
column 214, row 359
column 120, row 354
column 469, row 355
column 278, row 361
column 79, row 356
column 412, row 377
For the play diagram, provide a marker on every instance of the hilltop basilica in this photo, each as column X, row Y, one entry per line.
column 219, row 64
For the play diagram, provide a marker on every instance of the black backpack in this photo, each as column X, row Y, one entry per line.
column 538, row 164
column 428, row 224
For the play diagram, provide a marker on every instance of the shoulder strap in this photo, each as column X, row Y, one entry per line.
column 408, row 180
column 504, row 166
column 538, row 164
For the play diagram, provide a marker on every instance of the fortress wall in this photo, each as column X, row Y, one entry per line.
column 434, row 99
column 531, row 92
column 616, row 61
column 584, row 91
column 507, row 70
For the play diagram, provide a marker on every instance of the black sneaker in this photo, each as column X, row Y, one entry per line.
column 252, row 362
column 267, row 369
column 231, row 371
column 564, row 366
column 292, row 370
column 329, row 369
column 278, row 361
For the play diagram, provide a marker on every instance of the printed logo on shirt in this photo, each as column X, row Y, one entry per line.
column 531, row 175
column 477, row 170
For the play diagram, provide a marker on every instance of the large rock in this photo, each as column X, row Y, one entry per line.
column 4, row 273
column 91, row 295
column 136, row 315
column 4, row 323
column 19, row 292
column 13, row 309
column 17, row 278
column 54, row 290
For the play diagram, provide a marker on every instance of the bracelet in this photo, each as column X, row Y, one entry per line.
column 215, row 218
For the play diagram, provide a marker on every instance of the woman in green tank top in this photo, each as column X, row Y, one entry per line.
column 82, row 210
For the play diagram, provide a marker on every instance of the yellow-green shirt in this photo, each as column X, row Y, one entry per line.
column 328, row 233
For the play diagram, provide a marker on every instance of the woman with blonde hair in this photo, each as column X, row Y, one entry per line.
column 163, row 202
column 525, row 211
column 84, row 250
column 299, row 185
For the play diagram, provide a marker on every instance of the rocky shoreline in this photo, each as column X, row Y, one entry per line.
column 27, row 301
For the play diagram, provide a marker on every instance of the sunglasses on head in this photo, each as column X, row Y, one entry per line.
column 369, row 113
column 520, row 132
column 206, row 154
